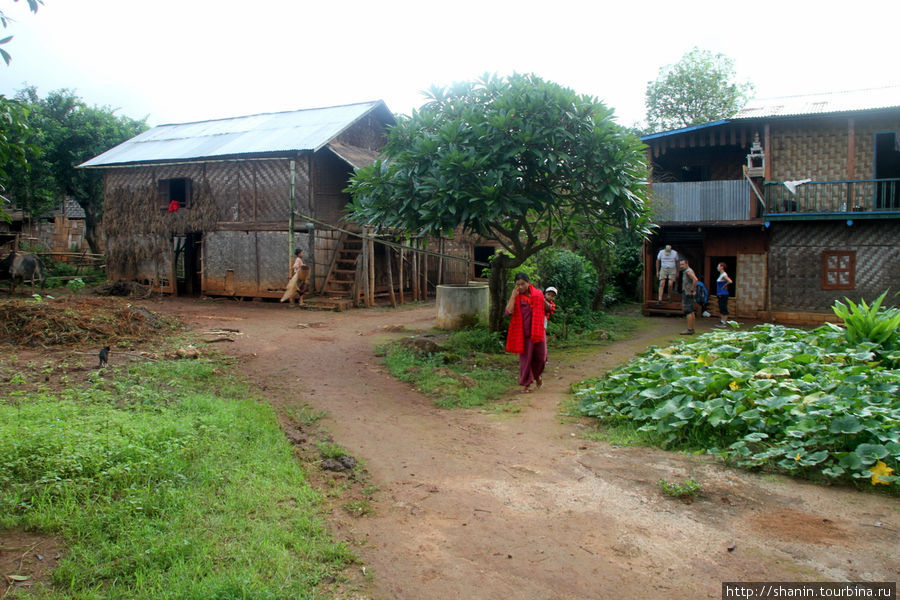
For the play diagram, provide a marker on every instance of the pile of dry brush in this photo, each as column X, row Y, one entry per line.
column 78, row 322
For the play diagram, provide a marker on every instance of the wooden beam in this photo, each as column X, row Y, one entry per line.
column 851, row 149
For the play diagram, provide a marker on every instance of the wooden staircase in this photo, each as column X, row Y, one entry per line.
column 341, row 278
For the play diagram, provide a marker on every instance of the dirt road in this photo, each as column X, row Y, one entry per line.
column 518, row 505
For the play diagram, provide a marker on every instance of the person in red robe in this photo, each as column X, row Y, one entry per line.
column 527, row 335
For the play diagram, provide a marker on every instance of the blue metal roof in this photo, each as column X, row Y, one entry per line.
column 291, row 131
column 654, row 136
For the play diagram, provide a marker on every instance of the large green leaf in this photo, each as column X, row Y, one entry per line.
column 869, row 453
column 846, row 424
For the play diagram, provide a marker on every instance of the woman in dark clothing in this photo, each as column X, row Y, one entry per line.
column 527, row 336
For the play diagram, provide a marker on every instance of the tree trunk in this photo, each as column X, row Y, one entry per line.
column 90, row 227
column 600, row 258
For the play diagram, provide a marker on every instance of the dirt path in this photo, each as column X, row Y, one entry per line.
column 519, row 506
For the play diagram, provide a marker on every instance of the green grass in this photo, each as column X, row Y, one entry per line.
column 475, row 380
column 169, row 480
column 471, row 368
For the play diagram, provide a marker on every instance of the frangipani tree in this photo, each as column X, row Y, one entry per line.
column 518, row 160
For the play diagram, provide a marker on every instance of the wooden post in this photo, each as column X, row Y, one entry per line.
column 414, row 274
column 400, row 269
column 371, row 269
column 364, row 267
column 440, row 268
column 390, row 275
column 424, row 271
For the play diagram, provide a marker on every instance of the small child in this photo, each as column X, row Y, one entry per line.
column 549, row 304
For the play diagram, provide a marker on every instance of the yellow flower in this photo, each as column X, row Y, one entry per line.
column 878, row 471
column 798, row 457
column 734, row 385
column 701, row 360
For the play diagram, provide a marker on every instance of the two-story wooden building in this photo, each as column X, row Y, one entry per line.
column 799, row 196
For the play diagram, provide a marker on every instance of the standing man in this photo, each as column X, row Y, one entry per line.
column 688, row 295
column 666, row 259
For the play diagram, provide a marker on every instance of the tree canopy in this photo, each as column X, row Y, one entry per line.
column 518, row 160
column 63, row 132
column 699, row 88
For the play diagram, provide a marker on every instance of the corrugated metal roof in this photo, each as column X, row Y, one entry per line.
column 816, row 104
column 292, row 131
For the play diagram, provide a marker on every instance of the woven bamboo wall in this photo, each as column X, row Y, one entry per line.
column 330, row 175
column 820, row 149
column 796, row 262
column 808, row 149
column 248, row 263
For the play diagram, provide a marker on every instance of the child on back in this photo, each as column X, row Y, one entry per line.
column 549, row 303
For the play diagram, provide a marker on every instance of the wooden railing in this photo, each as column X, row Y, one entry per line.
column 829, row 198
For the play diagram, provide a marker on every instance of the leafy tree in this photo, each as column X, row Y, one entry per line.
column 518, row 160
column 4, row 21
column 699, row 88
column 12, row 122
column 67, row 132
column 13, row 150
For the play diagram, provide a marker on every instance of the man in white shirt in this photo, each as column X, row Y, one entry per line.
column 666, row 270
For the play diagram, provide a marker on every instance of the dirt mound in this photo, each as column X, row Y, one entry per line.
column 77, row 322
column 123, row 288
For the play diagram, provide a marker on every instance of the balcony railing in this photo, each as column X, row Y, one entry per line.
column 833, row 199
column 701, row 201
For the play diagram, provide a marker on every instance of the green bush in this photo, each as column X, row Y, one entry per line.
column 574, row 277
column 873, row 324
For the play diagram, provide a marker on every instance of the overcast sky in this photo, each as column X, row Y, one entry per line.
column 176, row 61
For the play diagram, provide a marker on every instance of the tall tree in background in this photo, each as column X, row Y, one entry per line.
column 66, row 132
column 518, row 160
column 699, row 88
column 13, row 123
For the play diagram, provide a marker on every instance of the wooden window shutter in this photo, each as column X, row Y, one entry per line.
column 162, row 187
column 838, row 269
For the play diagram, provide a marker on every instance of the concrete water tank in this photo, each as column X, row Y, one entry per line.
column 461, row 305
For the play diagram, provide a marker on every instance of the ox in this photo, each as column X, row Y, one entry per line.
column 18, row 266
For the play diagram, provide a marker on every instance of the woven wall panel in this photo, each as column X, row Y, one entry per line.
column 750, row 288
column 818, row 153
column 271, row 188
column 797, row 249
column 259, row 262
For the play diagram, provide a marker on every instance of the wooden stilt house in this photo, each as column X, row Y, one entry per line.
column 217, row 207
column 799, row 197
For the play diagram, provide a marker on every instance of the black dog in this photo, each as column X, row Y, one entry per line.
column 104, row 356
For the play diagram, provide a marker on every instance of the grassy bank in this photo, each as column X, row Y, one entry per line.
column 165, row 480
column 469, row 368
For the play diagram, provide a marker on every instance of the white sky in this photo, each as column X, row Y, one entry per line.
column 176, row 61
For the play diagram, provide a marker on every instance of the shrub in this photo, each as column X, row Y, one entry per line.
column 574, row 277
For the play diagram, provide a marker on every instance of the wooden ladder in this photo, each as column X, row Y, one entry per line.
column 342, row 274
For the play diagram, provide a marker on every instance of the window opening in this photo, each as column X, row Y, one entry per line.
column 838, row 270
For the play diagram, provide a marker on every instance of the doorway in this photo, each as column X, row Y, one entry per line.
column 887, row 167
column 188, row 263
